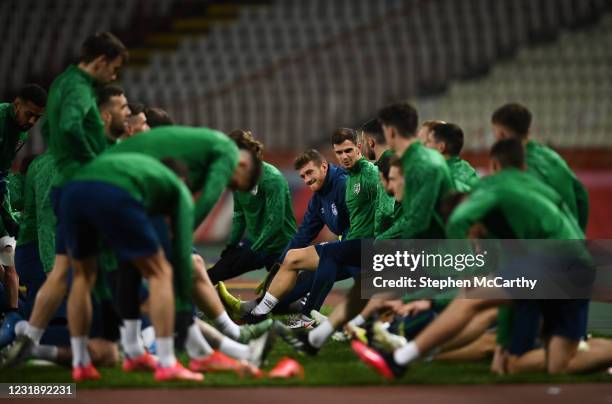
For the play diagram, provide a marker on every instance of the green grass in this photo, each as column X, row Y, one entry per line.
column 336, row 365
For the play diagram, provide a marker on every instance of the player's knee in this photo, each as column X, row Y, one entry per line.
column 293, row 259
column 103, row 353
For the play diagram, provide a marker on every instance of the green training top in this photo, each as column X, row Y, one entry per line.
column 265, row 213
column 531, row 209
column 463, row 174
column 161, row 193
column 210, row 156
column 548, row 166
column 10, row 135
column 38, row 220
column 427, row 180
column 76, row 131
column 368, row 204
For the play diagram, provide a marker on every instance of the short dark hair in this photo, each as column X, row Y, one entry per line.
column 402, row 116
column 343, row 134
column 157, row 117
column 451, row 135
column 105, row 93
column 513, row 116
column 509, row 153
column 374, row 128
column 308, row 156
column 33, row 93
column 136, row 108
column 395, row 161
column 102, row 44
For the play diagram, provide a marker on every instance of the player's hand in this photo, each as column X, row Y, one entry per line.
column 414, row 308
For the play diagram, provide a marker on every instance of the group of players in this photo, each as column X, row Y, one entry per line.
column 111, row 203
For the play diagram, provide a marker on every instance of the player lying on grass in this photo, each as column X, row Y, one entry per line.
column 510, row 204
column 367, row 203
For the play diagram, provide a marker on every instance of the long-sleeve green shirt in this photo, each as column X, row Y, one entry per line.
column 210, row 156
column 10, row 135
column 264, row 213
column 368, row 204
column 514, row 204
column 75, row 127
column 427, row 180
column 548, row 166
column 463, row 174
column 161, row 193
column 38, row 220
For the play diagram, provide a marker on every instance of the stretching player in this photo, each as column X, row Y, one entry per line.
column 263, row 215
column 367, row 203
column 76, row 135
column 510, row 204
column 326, row 207
column 424, row 188
column 143, row 187
column 16, row 119
column 447, row 138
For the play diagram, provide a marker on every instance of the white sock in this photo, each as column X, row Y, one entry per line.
column 45, row 352
column 358, row 321
column 130, row 338
column 320, row 334
column 227, row 326
column 406, row 354
column 196, row 345
column 80, row 355
column 20, row 327
column 234, row 349
column 165, row 351
column 247, row 307
column 34, row 333
column 148, row 336
column 266, row 305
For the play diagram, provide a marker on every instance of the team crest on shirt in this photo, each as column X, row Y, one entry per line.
column 356, row 188
column 334, row 209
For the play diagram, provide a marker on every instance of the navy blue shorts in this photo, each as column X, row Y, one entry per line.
column 60, row 241
column 344, row 252
column 30, row 271
column 91, row 210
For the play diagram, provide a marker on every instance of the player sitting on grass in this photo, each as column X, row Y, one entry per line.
column 366, row 201
column 509, row 204
column 327, row 207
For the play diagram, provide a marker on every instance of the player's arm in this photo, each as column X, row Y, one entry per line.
column 419, row 207
column 385, row 206
column 275, row 210
column 308, row 230
column 182, row 242
column 215, row 182
column 238, row 223
column 469, row 212
column 582, row 203
column 75, row 106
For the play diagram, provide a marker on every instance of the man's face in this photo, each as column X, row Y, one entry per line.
column 313, row 175
column 115, row 115
column 136, row 124
column 27, row 113
column 368, row 147
column 105, row 70
column 347, row 153
column 396, row 183
column 241, row 180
